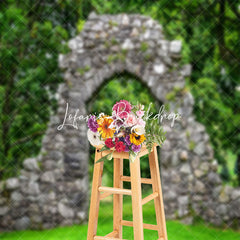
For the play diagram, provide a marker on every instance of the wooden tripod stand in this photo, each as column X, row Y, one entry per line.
column 136, row 193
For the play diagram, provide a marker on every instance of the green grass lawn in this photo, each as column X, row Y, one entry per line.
column 175, row 229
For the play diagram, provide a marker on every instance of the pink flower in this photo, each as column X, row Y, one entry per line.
column 141, row 122
column 122, row 108
column 131, row 120
column 140, row 113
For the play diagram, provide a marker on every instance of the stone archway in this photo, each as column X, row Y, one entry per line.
column 53, row 188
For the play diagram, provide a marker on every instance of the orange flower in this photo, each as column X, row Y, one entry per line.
column 103, row 129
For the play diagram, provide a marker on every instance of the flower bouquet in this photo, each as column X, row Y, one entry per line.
column 127, row 130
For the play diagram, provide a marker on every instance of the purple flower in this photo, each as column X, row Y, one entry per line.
column 127, row 140
column 92, row 124
column 136, row 148
column 126, row 149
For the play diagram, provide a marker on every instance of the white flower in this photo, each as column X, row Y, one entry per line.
column 101, row 115
column 138, row 129
column 94, row 138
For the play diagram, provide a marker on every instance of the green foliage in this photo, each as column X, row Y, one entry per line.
column 207, row 96
column 80, row 25
column 30, row 42
column 225, row 174
column 154, row 133
column 107, row 157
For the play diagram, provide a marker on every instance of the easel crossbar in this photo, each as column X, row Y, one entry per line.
column 115, row 190
column 143, row 180
column 106, row 238
column 104, row 195
column 145, row 225
column 149, row 198
column 112, row 234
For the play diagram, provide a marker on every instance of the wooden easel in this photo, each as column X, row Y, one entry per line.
column 100, row 192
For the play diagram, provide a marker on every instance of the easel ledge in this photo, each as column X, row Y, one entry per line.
column 124, row 155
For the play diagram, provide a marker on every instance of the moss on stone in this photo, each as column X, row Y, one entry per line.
column 144, row 28
column 167, row 107
column 148, row 57
column 170, row 96
column 106, row 44
column 119, row 56
column 191, row 145
column 112, row 23
column 111, row 58
column 144, row 47
column 124, row 51
column 114, row 41
column 83, row 70
column 44, row 153
column 40, row 165
column 177, row 91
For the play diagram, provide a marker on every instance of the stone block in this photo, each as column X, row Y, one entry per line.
column 185, row 169
column 22, row 223
column 31, row 164
column 12, row 183
column 4, row 210
column 65, row 211
column 175, row 46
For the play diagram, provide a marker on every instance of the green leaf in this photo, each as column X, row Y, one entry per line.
column 104, row 148
column 104, row 158
column 132, row 156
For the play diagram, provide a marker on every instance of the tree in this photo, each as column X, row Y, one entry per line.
column 31, row 37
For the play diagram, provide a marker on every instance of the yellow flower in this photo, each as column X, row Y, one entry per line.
column 137, row 139
column 103, row 129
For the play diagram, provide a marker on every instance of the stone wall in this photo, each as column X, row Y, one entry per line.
column 52, row 189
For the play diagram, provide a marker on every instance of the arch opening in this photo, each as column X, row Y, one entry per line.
column 131, row 88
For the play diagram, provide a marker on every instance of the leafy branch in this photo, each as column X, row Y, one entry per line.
column 107, row 157
column 154, row 134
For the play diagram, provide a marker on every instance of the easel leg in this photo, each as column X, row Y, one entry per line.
column 136, row 199
column 95, row 198
column 156, row 185
column 117, row 198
